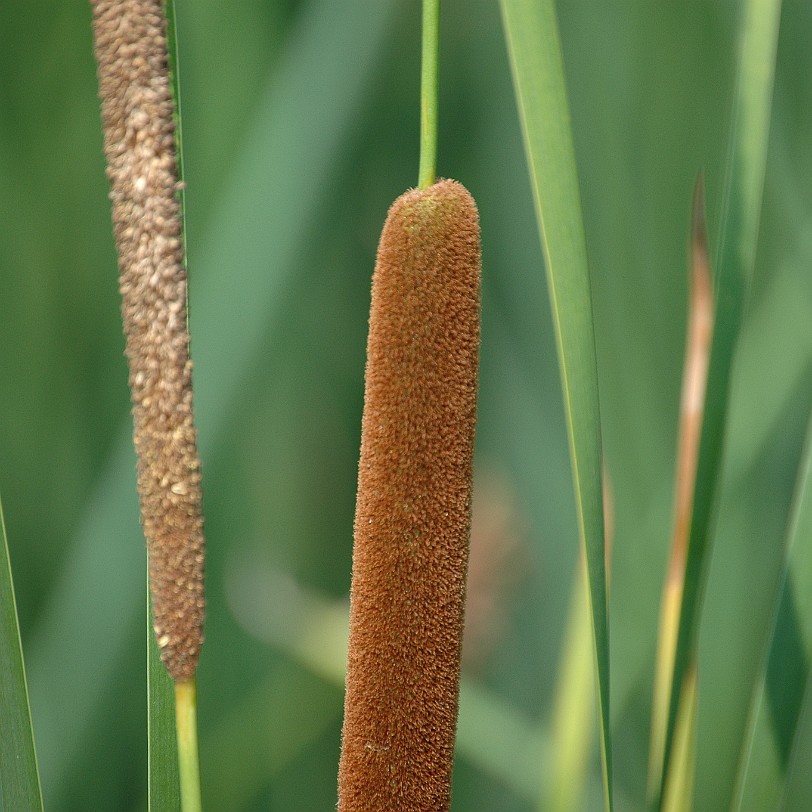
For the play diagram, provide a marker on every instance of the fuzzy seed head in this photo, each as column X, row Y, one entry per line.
column 139, row 143
column 413, row 514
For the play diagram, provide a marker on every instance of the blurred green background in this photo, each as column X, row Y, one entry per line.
column 300, row 126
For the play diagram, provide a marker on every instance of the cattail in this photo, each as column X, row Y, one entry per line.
column 413, row 514
column 139, row 143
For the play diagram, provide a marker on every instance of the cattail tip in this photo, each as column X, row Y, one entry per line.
column 413, row 512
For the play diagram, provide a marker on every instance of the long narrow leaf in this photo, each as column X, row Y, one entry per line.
column 538, row 74
column 679, row 792
column 695, row 373
column 162, row 750
column 798, row 785
column 740, row 224
column 573, row 727
column 779, row 696
column 19, row 776
column 164, row 780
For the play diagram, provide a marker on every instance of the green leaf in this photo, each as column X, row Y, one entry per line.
column 573, row 727
column 538, row 75
column 174, row 72
column 737, row 249
column 162, row 746
column 771, row 739
column 19, row 776
column 798, row 785
column 679, row 793
column 164, row 779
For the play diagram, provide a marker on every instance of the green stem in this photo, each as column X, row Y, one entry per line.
column 574, row 710
column 428, row 93
column 186, row 719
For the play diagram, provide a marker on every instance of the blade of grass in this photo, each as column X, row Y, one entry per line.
column 19, row 775
column 740, row 225
column 164, row 778
column 779, row 695
column 168, row 782
column 694, row 381
column 574, row 713
column 680, row 788
column 798, row 785
column 574, row 710
column 174, row 72
column 290, row 152
column 538, row 75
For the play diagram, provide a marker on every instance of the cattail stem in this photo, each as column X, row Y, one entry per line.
column 429, row 79
column 139, row 143
column 186, row 723
column 412, row 521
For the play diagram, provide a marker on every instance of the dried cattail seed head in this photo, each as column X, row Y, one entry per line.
column 139, row 143
column 413, row 514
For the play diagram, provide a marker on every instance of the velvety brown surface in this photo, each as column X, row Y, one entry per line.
column 139, row 143
column 412, row 521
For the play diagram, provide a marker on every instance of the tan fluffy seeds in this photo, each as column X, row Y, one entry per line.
column 139, row 143
column 412, row 522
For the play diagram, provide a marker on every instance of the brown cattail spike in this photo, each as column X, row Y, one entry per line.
column 139, row 142
column 412, row 521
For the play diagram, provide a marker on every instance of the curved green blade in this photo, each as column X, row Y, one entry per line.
column 772, row 733
column 19, row 776
column 164, row 778
column 162, row 749
column 737, row 251
column 798, row 783
column 536, row 61
column 573, row 727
